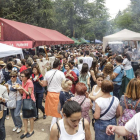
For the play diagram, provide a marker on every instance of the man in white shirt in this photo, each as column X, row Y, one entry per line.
column 80, row 57
column 132, row 126
column 53, row 80
column 80, row 65
column 87, row 59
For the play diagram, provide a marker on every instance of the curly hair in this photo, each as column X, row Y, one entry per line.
column 108, row 70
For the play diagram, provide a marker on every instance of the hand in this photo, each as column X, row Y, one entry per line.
column 6, row 85
column 110, row 130
column 0, row 98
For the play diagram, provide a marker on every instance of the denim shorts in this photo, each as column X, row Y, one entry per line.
column 100, row 129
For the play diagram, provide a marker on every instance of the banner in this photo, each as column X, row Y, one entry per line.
column 1, row 31
column 19, row 44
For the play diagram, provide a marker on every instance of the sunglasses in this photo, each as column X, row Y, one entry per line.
column 12, row 76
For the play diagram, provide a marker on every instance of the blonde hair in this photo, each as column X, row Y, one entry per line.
column 108, row 70
column 65, row 83
column 133, row 89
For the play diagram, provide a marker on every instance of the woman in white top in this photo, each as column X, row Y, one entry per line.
column 72, row 126
column 96, row 90
column 106, row 110
column 127, row 66
column 15, row 98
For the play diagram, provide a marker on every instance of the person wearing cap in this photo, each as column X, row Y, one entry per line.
column 14, row 94
column 2, row 64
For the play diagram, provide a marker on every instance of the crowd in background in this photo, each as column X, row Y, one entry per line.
column 80, row 78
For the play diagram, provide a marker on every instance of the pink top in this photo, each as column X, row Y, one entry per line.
column 28, row 84
column 85, row 106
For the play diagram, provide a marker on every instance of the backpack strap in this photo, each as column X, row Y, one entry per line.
column 126, row 106
column 136, row 104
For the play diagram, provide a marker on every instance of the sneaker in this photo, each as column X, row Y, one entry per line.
column 14, row 129
column 44, row 116
column 7, row 117
column 19, row 130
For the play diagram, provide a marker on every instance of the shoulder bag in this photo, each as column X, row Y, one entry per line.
column 51, row 80
column 28, row 104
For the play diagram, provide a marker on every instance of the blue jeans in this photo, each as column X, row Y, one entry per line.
column 100, row 129
column 15, row 113
column 39, row 98
column 2, row 126
column 116, row 91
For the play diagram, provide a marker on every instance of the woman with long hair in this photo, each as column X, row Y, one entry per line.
column 96, row 90
column 37, row 79
column 71, row 75
column 127, row 66
column 102, row 64
column 108, row 71
column 72, row 126
column 93, row 72
column 132, row 95
column 85, row 76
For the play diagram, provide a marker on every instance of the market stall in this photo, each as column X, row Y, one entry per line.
column 6, row 50
column 124, row 35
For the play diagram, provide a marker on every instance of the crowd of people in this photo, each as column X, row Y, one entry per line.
column 80, row 79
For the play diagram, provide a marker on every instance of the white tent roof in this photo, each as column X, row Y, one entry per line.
column 124, row 35
column 6, row 50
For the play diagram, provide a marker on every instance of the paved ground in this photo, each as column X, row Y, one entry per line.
column 41, row 128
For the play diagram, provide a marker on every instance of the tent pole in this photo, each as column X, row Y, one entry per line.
column 47, row 58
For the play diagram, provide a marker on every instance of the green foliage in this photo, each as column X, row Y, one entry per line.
column 74, row 18
column 129, row 18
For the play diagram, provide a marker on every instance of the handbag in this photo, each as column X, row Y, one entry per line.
column 11, row 104
column 28, row 104
column 93, row 120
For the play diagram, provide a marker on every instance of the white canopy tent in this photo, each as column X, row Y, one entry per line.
column 124, row 35
column 6, row 50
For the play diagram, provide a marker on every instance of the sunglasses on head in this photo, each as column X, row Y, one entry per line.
column 12, row 76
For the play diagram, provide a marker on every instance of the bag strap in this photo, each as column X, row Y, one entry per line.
column 52, row 78
column 108, row 108
column 82, row 101
column 83, row 124
column 59, row 131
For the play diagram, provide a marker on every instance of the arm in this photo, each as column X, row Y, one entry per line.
column 97, row 111
column 54, row 133
column 93, row 75
column 5, row 97
column 121, row 111
column 118, row 111
column 59, row 107
column 96, row 97
column 44, row 83
column 120, row 130
column 87, row 130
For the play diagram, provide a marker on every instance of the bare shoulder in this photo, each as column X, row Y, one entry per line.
column 54, row 129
